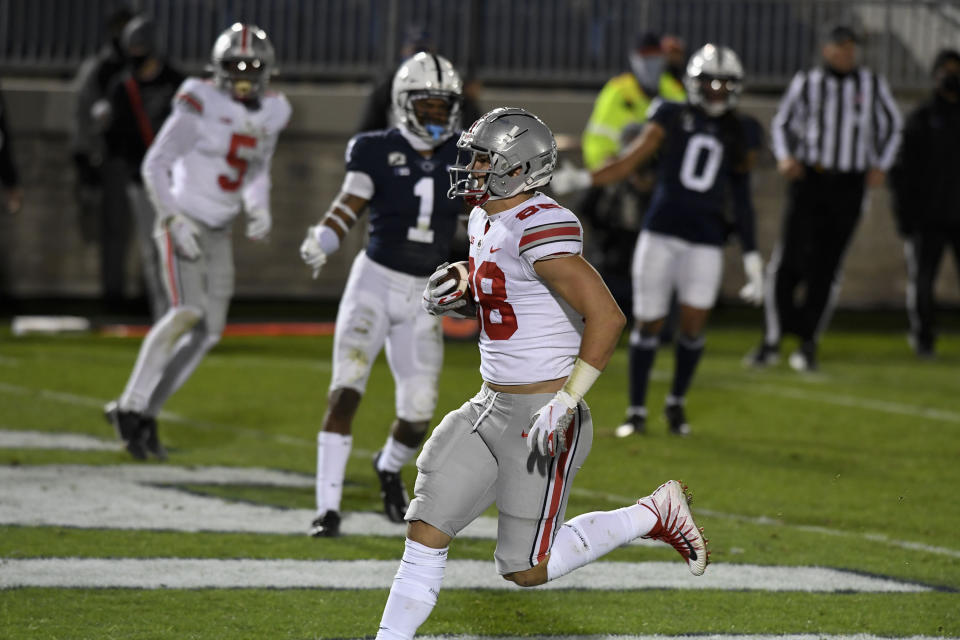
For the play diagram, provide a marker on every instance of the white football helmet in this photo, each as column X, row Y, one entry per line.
column 509, row 138
column 242, row 61
column 423, row 76
column 714, row 79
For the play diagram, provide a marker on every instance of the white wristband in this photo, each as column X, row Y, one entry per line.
column 327, row 238
column 578, row 382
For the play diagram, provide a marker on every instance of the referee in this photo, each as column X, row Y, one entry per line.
column 836, row 132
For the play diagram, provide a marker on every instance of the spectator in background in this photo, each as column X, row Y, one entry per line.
column 378, row 110
column 102, row 177
column 12, row 200
column 619, row 112
column 926, row 188
column 9, row 177
column 625, row 99
column 675, row 55
column 836, row 132
column 139, row 103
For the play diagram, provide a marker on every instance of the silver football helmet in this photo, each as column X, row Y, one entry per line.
column 714, row 79
column 508, row 138
column 242, row 61
column 420, row 78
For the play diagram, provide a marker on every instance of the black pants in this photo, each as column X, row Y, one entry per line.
column 924, row 252
column 115, row 226
column 821, row 214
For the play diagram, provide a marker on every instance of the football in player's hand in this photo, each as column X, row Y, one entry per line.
column 455, row 282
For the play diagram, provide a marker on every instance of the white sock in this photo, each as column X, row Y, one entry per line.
column 333, row 450
column 395, row 455
column 586, row 537
column 414, row 591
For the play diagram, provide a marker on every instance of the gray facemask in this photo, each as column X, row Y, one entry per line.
column 647, row 69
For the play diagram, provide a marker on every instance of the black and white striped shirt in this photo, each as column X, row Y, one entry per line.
column 837, row 123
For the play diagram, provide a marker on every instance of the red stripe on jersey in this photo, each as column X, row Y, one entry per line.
column 243, row 39
column 190, row 100
column 549, row 233
column 556, row 495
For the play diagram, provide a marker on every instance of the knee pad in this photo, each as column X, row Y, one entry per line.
column 416, row 398
column 178, row 321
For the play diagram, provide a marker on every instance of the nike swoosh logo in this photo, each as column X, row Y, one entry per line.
column 495, row 250
column 693, row 552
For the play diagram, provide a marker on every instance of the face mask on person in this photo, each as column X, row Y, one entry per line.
column 647, row 69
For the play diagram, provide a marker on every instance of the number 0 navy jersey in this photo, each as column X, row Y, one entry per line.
column 697, row 161
column 412, row 221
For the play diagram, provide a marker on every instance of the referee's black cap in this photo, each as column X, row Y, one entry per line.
column 841, row 34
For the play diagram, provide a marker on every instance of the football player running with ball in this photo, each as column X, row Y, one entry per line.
column 549, row 326
column 401, row 174
column 703, row 152
column 209, row 162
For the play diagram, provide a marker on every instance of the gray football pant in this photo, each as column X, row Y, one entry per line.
column 199, row 292
column 144, row 218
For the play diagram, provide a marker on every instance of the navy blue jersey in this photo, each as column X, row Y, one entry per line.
column 701, row 158
column 412, row 221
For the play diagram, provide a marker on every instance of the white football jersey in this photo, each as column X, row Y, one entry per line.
column 212, row 156
column 528, row 332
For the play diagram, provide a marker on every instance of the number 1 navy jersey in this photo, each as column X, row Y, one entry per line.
column 696, row 161
column 412, row 221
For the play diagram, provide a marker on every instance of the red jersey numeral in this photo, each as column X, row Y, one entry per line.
column 532, row 209
column 497, row 319
column 234, row 160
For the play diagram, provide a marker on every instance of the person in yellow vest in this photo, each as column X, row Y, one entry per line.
column 625, row 98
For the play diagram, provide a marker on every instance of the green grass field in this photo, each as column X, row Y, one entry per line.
column 855, row 469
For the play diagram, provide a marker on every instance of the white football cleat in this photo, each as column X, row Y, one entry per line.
column 675, row 525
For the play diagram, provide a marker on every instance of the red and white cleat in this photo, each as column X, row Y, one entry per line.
column 675, row 525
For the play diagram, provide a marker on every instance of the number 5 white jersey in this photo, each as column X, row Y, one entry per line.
column 528, row 332
column 212, row 155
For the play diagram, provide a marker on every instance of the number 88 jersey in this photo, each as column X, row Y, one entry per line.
column 528, row 332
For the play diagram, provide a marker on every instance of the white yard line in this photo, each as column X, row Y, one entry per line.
column 758, row 636
column 836, row 399
column 842, row 400
column 177, row 573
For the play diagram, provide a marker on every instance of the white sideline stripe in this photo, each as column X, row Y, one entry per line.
column 882, row 406
column 97, row 403
column 177, row 573
column 758, row 636
column 145, row 497
column 13, row 439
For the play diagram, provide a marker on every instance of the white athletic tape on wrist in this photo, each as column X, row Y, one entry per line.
column 578, row 383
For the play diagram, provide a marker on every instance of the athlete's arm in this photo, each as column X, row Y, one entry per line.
column 743, row 210
column 581, row 286
column 636, row 153
column 175, row 139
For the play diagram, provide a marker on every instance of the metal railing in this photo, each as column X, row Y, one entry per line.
column 532, row 42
